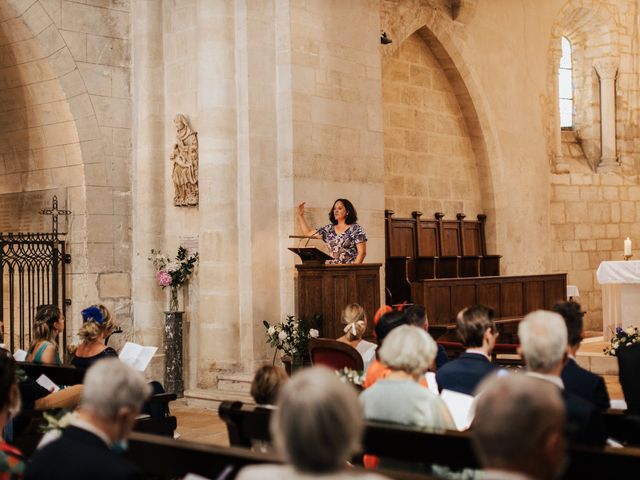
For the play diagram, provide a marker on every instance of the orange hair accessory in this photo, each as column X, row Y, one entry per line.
column 381, row 311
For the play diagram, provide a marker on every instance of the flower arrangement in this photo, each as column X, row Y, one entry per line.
column 57, row 419
column 291, row 336
column 349, row 375
column 173, row 273
column 622, row 338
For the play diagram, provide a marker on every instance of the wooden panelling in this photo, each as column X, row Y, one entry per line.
column 508, row 296
column 327, row 289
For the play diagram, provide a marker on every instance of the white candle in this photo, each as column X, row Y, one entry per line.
column 627, row 246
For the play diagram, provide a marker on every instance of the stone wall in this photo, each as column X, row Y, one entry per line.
column 430, row 165
column 66, row 125
column 591, row 215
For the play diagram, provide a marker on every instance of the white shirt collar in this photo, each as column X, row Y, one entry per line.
column 477, row 351
column 549, row 378
column 84, row 425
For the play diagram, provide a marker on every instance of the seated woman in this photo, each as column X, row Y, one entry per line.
column 12, row 462
column 355, row 323
column 407, row 351
column 48, row 324
column 97, row 325
column 317, row 427
column 266, row 384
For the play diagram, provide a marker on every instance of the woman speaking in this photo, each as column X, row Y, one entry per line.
column 345, row 239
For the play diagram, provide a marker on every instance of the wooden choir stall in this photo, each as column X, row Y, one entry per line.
column 325, row 289
column 444, row 265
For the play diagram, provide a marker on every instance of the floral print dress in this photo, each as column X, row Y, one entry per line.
column 342, row 246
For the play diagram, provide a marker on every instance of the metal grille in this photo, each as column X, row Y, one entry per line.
column 33, row 273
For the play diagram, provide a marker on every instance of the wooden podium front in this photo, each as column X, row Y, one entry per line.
column 327, row 289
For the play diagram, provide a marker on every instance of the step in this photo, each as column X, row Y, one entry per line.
column 213, row 397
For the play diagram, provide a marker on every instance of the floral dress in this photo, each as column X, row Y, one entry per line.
column 342, row 246
column 12, row 462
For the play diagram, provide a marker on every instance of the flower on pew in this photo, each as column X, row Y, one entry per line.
column 349, row 375
column 57, row 419
column 622, row 338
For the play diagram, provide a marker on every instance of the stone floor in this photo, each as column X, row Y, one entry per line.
column 203, row 425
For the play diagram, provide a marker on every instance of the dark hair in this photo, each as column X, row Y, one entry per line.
column 266, row 384
column 472, row 323
column 352, row 215
column 388, row 322
column 7, row 376
column 573, row 315
column 416, row 315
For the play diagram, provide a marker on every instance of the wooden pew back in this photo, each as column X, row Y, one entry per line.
column 450, row 448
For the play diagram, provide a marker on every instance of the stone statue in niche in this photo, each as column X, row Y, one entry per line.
column 185, row 160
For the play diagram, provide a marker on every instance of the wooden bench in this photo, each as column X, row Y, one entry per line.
column 29, row 422
column 164, row 458
column 452, row 449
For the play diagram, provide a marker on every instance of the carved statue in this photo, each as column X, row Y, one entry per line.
column 185, row 164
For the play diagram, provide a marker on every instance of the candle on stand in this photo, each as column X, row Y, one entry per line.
column 627, row 247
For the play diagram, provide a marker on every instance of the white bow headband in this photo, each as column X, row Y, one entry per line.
column 352, row 326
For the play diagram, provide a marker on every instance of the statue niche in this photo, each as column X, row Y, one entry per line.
column 185, row 158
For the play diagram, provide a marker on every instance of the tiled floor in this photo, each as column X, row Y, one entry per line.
column 199, row 424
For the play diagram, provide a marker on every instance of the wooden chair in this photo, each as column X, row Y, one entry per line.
column 334, row 354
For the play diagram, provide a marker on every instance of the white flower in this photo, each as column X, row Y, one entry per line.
column 172, row 267
column 313, row 333
column 612, row 351
column 271, row 330
column 282, row 335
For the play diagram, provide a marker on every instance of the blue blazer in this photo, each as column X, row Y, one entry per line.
column 586, row 385
column 464, row 373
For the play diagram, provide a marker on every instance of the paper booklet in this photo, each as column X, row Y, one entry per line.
column 137, row 356
column 47, row 383
column 459, row 406
column 20, row 355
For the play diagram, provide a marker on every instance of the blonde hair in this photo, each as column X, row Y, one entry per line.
column 355, row 321
column 409, row 349
column 43, row 329
column 91, row 330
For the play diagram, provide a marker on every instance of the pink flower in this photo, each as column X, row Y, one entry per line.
column 164, row 279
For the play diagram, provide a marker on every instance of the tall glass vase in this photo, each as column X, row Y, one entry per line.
column 173, row 299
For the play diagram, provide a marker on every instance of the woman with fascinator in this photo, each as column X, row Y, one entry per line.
column 355, row 324
column 97, row 326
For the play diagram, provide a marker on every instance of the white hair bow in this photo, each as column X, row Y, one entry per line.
column 352, row 326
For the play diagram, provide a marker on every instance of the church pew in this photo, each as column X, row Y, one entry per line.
column 622, row 427
column 165, row 458
column 451, row 448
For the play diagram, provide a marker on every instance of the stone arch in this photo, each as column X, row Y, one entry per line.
column 591, row 28
column 446, row 39
column 66, row 148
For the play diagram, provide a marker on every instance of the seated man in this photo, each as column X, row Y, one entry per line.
column 518, row 428
column 543, row 345
column 417, row 315
column 478, row 334
column 112, row 397
column 576, row 379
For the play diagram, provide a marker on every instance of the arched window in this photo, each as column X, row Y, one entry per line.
column 565, row 84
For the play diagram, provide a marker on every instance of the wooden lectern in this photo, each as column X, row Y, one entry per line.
column 327, row 289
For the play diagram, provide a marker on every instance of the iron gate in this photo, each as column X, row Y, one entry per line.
column 33, row 273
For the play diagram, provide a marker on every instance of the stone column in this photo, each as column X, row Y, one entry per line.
column 607, row 69
column 149, row 160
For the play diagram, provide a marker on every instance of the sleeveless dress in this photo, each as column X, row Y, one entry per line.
column 86, row 362
column 37, row 358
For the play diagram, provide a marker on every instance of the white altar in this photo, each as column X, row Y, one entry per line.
column 620, row 282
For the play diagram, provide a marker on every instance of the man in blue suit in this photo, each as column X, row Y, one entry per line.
column 543, row 345
column 576, row 379
column 478, row 334
column 417, row 315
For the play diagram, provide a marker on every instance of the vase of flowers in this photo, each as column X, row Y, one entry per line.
column 291, row 337
column 173, row 273
column 622, row 337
